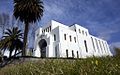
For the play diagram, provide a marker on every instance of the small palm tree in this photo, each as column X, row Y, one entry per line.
column 11, row 40
column 28, row 11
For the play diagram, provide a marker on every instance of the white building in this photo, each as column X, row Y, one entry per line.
column 58, row 40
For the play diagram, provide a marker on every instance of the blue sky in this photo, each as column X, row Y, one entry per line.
column 101, row 17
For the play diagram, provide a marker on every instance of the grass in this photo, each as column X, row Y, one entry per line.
column 89, row 66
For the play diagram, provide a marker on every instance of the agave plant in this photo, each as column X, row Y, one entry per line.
column 11, row 40
column 28, row 11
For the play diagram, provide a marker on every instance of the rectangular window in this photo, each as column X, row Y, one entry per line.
column 77, row 54
column 50, row 28
column 55, row 51
column 85, row 45
column 100, row 46
column 79, row 31
column 65, row 36
column 104, row 47
column 93, row 44
column 75, row 30
column 75, row 39
column 72, row 53
column 54, row 37
column 86, row 33
column 83, row 32
column 97, row 45
column 67, row 53
column 70, row 38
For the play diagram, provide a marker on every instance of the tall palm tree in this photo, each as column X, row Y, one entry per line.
column 28, row 11
column 11, row 40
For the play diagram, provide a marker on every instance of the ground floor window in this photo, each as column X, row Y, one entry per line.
column 56, row 51
column 85, row 45
column 72, row 53
column 77, row 54
column 67, row 53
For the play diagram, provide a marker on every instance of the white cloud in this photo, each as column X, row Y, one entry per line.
column 106, row 34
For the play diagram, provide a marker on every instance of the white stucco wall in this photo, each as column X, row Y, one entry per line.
column 58, row 47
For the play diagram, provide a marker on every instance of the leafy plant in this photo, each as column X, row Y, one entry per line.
column 11, row 40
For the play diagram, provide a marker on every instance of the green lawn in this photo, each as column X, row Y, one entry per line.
column 89, row 66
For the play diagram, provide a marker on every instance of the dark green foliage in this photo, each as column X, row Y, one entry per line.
column 11, row 40
column 28, row 10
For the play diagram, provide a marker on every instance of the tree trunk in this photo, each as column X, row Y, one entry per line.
column 25, row 38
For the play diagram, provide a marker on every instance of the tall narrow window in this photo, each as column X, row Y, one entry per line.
column 75, row 39
column 77, row 54
column 72, row 53
column 93, row 44
column 70, row 38
column 100, row 46
column 86, row 33
column 79, row 31
column 67, row 53
column 85, row 45
column 97, row 45
column 75, row 30
column 83, row 32
column 55, row 51
column 65, row 36
column 104, row 47
column 54, row 37
column 50, row 28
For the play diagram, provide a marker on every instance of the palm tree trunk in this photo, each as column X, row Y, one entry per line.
column 25, row 38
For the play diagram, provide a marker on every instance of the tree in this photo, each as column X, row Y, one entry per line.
column 11, row 40
column 28, row 11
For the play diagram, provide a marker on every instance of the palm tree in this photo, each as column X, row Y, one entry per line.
column 11, row 40
column 28, row 11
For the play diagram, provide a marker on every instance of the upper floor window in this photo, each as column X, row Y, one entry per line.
column 75, row 30
column 93, row 43
column 65, row 36
column 54, row 37
column 83, row 32
column 86, row 33
column 86, row 45
column 79, row 31
column 75, row 39
column 50, row 28
column 70, row 38
column 97, row 44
